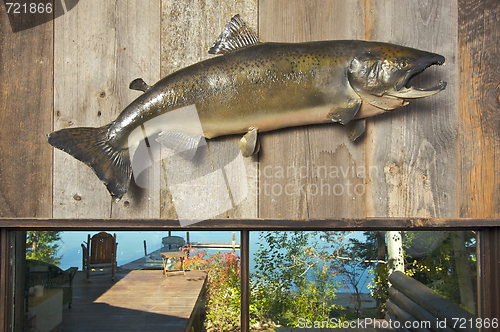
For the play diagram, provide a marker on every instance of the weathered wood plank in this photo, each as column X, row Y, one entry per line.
column 100, row 47
column 188, row 31
column 84, row 70
column 305, row 192
column 479, row 101
column 415, row 148
column 26, row 101
column 137, row 55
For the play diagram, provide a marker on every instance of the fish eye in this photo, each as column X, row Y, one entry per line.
column 403, row 64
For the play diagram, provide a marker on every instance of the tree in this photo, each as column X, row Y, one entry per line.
column 352, row 258
column 395, row 252
column 42, row 245
column 438, row 266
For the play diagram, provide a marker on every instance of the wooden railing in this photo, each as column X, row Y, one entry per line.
column 418, row 308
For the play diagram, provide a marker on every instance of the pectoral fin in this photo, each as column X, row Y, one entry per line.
column 355, row 128
column 139, row 85
column 345, row 113
column 182, row 144
column 249, row 144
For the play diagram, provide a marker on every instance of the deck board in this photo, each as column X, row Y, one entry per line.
column 136, row 301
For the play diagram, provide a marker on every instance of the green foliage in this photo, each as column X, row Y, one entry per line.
column 42, row 245
column 292, row 280
column 437, row 269
column 223, row 288
column 367, row 251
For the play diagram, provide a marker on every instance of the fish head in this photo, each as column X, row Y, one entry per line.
column 384, row 72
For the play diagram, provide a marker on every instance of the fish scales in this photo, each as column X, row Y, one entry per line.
column 263, row 79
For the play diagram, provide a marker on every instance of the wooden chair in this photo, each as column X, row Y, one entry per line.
column 100, row 253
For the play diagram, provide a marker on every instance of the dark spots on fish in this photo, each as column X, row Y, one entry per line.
column 77, row 197
column 102, row 94
column 98, row 113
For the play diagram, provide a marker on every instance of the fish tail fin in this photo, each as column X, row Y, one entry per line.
column 90, row 146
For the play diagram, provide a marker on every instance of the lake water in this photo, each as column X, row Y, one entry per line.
column 131, row 246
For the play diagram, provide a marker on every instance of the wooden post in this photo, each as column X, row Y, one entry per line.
column 244, row 277
column 488, row 256
column 6, row 302
column 145, row 249
column 19, row 268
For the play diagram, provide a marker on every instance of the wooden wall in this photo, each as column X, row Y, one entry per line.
column 410, row 155
column 433, row 158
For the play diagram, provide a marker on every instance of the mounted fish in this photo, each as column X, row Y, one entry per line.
column 253, row 87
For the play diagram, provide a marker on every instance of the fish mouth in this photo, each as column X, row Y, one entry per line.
column 402, row 89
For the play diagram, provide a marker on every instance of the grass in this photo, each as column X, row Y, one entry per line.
column 351, row 315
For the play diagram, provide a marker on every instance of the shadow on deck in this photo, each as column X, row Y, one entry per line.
column 136, row 301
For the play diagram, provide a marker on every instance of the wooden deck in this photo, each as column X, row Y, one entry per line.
column 135, row 301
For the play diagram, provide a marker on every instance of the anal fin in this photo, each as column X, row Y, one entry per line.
column 355, row 128
column 180, row 143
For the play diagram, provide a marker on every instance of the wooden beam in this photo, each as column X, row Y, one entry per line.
column 19, row 282
column 355, row 224
column 402, row 316
column 245, row 283
column 488, row 257
column 415, row 310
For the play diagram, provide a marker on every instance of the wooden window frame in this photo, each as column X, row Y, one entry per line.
column 488, row 248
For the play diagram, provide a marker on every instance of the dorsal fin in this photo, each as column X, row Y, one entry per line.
column 236, row 35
